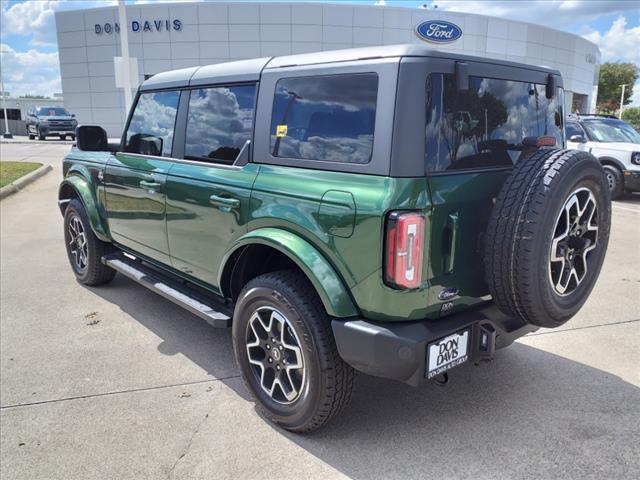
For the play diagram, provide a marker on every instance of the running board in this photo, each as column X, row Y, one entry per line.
column 177, row 292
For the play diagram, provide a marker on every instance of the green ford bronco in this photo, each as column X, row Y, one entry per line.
column 393, row 210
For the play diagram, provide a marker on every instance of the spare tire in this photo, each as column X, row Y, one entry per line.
column 547, row 236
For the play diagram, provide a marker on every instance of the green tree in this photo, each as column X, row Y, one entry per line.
column 612, row 75
column 632, row 115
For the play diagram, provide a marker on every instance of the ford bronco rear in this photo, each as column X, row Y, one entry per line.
column 394, row 210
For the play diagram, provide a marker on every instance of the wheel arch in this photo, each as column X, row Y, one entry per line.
column 75, row 185
column 614, row 162
column 269, row 249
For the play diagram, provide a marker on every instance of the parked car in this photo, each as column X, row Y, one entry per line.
column 333, row 210
column 47, row 121
column 614, row 142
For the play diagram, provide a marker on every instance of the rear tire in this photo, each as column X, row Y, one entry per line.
column 84, row 249
column 32, row 137
column 615, row 180
column 63, row 137
column 299, row 399
column 547, row 236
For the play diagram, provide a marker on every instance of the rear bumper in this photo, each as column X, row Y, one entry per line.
column 632, row 180
column 399, row 350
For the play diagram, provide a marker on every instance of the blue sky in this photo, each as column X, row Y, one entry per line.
column 29, row 47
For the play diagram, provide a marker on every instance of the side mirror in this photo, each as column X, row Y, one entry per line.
column 91, row 138
column 73, row 115
column 577, row 139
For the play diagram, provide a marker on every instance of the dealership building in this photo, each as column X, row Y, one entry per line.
column 169, row 36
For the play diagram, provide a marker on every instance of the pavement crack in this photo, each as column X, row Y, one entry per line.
column 622, row 322
column 117, row 392
column 189, row 444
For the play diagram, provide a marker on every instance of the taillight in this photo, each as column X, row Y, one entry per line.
column 404, row 246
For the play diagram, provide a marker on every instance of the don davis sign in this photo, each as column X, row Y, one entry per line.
column 438, row 31
column 140, row 26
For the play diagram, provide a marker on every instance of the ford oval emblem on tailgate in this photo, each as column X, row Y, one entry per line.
column 438, row 31
column 448, row 294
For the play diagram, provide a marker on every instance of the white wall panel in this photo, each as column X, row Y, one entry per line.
column 278, row 14
column 214, row 32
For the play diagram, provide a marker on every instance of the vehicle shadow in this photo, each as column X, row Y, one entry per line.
column 529, row 413
column 628, row 198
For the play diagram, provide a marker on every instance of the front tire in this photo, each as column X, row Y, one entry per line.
column 285, row 348
column 84, row 249
column 615, row 180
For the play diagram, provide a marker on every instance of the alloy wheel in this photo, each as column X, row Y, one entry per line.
column 575, row 236
column 275, row 356
column 611, row 180
column 78, row 245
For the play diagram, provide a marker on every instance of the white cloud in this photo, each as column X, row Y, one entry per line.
column 551, row 13
column 619, row 43
column 30, row 72
column 33, row 17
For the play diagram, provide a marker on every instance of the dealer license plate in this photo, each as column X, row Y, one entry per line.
column 448, row 352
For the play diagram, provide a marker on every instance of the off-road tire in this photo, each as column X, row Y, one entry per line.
column 522, row 227
column 95, row 273
column 615, row 181
column 329, row 379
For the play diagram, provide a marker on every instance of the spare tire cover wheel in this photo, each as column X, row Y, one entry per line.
column 547, row 236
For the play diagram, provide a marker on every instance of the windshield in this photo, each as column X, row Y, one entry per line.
column 53, row 112
column 611, row 131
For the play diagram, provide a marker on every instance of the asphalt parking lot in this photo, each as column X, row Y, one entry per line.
column 116, row 382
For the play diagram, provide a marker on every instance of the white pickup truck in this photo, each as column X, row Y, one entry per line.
column 614, row 142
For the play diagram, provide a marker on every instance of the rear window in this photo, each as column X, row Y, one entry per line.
column 330, row 118
column 484, row 126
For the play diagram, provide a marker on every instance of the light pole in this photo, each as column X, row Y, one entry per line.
column 124, row 43
column 621, row 100
column 7, row 133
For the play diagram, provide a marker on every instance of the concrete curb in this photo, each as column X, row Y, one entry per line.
column 22, row 182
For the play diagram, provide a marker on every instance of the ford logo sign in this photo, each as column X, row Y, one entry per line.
column 448, row 294
column 438, row 31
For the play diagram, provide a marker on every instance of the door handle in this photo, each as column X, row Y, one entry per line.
column 224, row 202
column 150, row 185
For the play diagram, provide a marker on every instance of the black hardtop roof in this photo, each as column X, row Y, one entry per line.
column 250, row 70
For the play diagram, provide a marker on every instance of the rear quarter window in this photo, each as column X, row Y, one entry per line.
column 330, row 118
column 483, row 127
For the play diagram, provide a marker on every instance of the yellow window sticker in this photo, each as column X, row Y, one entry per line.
column 281, row 131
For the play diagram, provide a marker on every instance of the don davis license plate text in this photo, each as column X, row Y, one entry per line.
column 447, row 353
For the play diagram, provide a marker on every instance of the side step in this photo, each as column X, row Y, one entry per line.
column 189, row 298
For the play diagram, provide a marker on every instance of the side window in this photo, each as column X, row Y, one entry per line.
column 219, row 122
column 484, row 126
column 573, row 129
column 150, row 131
column 330, row 118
